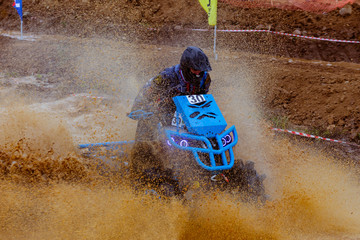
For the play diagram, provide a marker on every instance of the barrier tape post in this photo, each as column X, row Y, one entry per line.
column 215, row 55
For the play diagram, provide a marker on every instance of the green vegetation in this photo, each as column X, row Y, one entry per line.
column 283, row 122
column 320, row 132
column 12, row 75
column 280, row 122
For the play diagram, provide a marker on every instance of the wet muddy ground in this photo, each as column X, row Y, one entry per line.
column 76, row 85
column 82, row 95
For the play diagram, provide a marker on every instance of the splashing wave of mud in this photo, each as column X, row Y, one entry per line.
column 313, row 197
column 47, row 191
column 37, row 148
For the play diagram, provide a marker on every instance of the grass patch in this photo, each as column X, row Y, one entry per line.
column 320, row 132
column 283, row 122
column 12, row 75
column 280, row 122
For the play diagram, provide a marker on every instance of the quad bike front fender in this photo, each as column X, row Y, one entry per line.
column 208, row 148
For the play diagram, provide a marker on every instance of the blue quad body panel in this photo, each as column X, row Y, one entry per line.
column 200, row 114
column 204, row 120
column 109, row 153
column 108, row 145
column 116, row 149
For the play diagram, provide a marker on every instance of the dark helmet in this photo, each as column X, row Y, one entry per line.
column 194, row 58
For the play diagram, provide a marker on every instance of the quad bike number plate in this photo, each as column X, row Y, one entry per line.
column 177, row 117
column 194, row 99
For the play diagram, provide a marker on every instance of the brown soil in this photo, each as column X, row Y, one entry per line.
column 173, row 19
column 106, row 46
column 314, row 94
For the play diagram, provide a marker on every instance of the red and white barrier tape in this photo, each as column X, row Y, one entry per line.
column 281, row 33
column 313, row 136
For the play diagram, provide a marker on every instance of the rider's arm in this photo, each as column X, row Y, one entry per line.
column 156, row 91
column 151, row 95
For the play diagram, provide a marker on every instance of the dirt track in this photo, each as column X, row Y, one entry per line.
column 48, row 90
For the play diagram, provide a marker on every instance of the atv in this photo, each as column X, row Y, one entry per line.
column 192, row 151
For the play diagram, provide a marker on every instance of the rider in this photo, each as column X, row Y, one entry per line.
column 155, row 102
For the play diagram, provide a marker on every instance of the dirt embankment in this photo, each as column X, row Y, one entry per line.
column 173, row 19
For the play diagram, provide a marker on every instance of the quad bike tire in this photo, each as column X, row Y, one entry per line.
column 160, row 182
column 247, row 182
column 149, row 173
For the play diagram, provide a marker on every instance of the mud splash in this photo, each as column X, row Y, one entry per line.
column 74, row 210
column 49, row 192
column 37, row 148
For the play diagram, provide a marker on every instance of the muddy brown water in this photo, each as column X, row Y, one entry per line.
column 48, row 191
